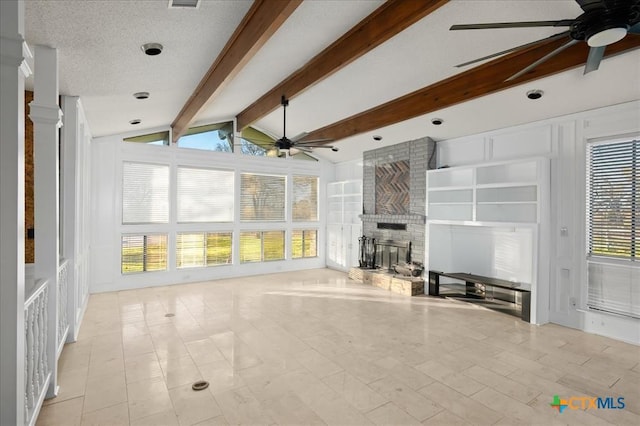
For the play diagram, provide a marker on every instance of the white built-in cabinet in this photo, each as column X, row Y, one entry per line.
column 491, row 219
column 500, row 192
column 344, row 226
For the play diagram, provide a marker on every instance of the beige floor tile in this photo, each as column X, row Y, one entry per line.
column 216, row 421
column 142, row 367
column 509, row 387
column 147, row 397
column 241, row 407
column 72, row 384
column 221, row 377
column 116, row 415
column 164, row 418
column 446, row 418
column 309, row 348
column 288, row 409
column 412, row 402
column 192, row 406
column 355, row 392
column 460, row 405
column 104, row 391
column 391, row 414
column 65, row 413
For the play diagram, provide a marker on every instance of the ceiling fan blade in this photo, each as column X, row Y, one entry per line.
column 595, row 56
column 543, row 59
column 333, row 148
column 526, row 24
column 635, row 29
column 314, row 141
column 298, row 137
column 493, row 55
column 298, row 149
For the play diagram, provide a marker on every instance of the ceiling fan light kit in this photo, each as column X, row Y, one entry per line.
column 602, row 23
column 288, row 147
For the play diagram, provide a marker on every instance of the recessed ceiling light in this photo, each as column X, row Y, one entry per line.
column 437, row 121
column 141, row 95
column 152, row 49
column 535, row 94
column 136, row 121
column 377, row 138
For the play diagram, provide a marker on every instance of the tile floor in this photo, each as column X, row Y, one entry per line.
column 314, row 347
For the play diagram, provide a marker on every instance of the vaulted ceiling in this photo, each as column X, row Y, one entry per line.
column 352, row 69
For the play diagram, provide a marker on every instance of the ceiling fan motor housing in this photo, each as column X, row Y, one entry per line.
column 605, row 22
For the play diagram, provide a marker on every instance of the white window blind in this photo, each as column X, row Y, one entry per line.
column 143, row 253
column 261, row 246
column 613, row 224
column 262, row 198
column 613, row 210
column 205, row 195
column 305, row 199
column 200, row 249
column 304, row 243
column 145, row 193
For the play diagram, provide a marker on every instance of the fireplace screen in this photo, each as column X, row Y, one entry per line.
column 390, row 253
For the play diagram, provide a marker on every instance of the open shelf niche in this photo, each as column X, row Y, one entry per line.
column 492, row 219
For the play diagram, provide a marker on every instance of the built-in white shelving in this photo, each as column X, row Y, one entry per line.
column 344, row 226
column 501, row 192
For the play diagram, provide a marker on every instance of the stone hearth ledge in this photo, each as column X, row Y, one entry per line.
column 408, row 286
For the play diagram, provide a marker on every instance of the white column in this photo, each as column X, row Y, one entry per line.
column 46, row 116
column 13, row 70
column 70, row 164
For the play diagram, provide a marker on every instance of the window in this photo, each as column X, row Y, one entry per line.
column 613, row 209
column 143, row 253
column 304, row 243
column 205, row 195
column 262, row 198
column 613, row 223
column 254, row 142
column 305, row 198
column 261, row 246
column 212, row 137
column 158, row 138
column 145, row 193
column 203, row 249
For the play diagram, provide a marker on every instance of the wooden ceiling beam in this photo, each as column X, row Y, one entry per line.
column 261, row 21
column 474, row 83
column 386, row 21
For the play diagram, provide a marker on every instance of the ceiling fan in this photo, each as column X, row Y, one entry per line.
column 603, row 22
column 286, row 146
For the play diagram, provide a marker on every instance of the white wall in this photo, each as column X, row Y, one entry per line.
column 108, row 153
column 564, row 141
column 348, row 170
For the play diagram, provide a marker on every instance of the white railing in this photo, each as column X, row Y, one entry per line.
column 63, row 301
column 37, row 370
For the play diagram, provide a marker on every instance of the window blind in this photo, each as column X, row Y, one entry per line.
column 205, row 195
column 262, row 197
column 305, row 198
column 145, row 193
column 143, row 253
column 304, row 243
column 613, row 223
column 613, row 211
column 199, row 249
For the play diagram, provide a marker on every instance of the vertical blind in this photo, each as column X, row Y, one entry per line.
column 305, row 198
column 205, row 195
column 145, row 193
column 613, row 224
column 262, row 197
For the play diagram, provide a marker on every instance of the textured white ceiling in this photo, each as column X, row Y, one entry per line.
column 101, row 61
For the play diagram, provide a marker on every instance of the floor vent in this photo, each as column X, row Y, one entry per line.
column 184, row 4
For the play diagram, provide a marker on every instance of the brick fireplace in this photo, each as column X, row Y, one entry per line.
column 395, row 209
column 394, row 196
